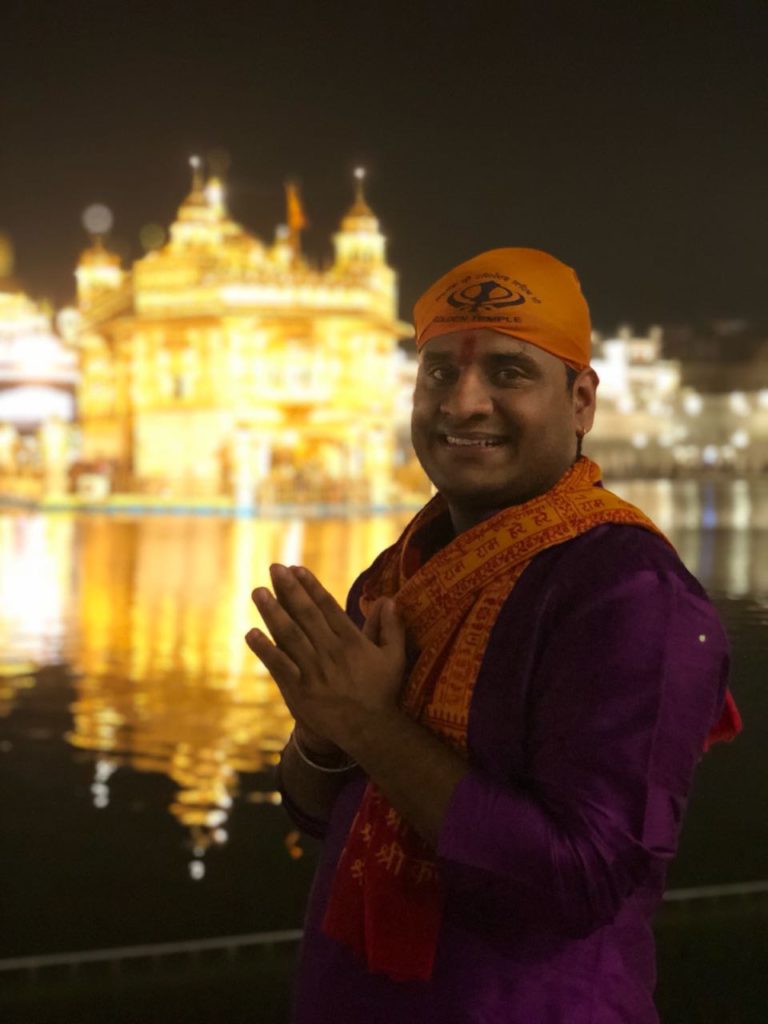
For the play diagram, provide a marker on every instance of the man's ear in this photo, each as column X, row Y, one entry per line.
column 585, row 399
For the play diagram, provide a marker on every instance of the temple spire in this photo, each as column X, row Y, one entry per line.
column 359, row 243
column 197, row 173
column 360, row 207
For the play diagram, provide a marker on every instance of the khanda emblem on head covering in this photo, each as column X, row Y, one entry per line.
column 487, row 295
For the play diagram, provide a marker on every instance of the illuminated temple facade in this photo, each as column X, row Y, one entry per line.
column 38, row 383
column 221, row 367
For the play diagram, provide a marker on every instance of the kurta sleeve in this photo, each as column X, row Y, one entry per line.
column 314, row 827
column 630, row 680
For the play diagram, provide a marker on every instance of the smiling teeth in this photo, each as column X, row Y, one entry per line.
column 471, row 442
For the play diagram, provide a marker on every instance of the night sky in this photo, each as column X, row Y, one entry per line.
column 630, row 139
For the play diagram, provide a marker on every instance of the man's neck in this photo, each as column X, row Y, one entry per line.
column 463, row 519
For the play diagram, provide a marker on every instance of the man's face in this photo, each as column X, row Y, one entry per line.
column 494, row 423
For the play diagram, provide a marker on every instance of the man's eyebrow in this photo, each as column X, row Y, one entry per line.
column 520, row 359
column 436, row 357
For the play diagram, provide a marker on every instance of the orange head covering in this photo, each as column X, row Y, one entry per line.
column 525, row 293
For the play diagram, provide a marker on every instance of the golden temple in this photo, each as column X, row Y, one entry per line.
column 221, row 367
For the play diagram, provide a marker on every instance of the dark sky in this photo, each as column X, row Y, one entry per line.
column 630, row 139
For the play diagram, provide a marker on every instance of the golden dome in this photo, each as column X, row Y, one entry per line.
column 98, row 256
column 360, row 216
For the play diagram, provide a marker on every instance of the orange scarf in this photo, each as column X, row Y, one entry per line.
column 385, row 900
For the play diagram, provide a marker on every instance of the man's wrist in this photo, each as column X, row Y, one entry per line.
column 319, row 749
column 326, row 764
column 374, row 729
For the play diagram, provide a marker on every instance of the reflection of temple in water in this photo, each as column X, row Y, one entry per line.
column 150, row 613
column 165, row 681
column 221, row 366
column 200, row 738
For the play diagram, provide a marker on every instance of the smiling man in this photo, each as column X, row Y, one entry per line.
column 496, row 421
column 496, row 740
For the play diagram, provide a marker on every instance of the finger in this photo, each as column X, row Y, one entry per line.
column 276, row 662
column 372, row 624
column 392, row 631
column 288, row 636
column 295, row 600
column 335, row 616
column 280, row 667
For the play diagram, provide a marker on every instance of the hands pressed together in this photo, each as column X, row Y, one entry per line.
column 342, row 685
column 333, row 676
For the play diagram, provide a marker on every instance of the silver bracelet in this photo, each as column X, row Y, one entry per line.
column 313, row 764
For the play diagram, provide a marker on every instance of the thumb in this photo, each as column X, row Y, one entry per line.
column 392, row 630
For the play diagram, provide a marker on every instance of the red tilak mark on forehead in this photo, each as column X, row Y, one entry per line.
column 467, row 351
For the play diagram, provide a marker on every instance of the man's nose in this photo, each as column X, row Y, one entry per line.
column 469, row 396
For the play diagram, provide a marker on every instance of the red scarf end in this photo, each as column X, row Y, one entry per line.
column 728, row 725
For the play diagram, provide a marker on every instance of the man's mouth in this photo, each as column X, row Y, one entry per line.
column 471, row 441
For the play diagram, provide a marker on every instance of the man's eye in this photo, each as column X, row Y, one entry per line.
column 509, row 375
column 441, row 374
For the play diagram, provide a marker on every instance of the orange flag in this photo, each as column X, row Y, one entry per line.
column 295, row 216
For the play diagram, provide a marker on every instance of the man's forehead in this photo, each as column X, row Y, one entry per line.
column 466, row 345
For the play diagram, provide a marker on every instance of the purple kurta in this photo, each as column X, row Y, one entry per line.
column 603, row 674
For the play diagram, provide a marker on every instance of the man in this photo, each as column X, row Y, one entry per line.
column 497, row 739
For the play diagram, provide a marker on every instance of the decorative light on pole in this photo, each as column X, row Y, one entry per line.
column 739, row 403
column 693, row 403
column 740, row 439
